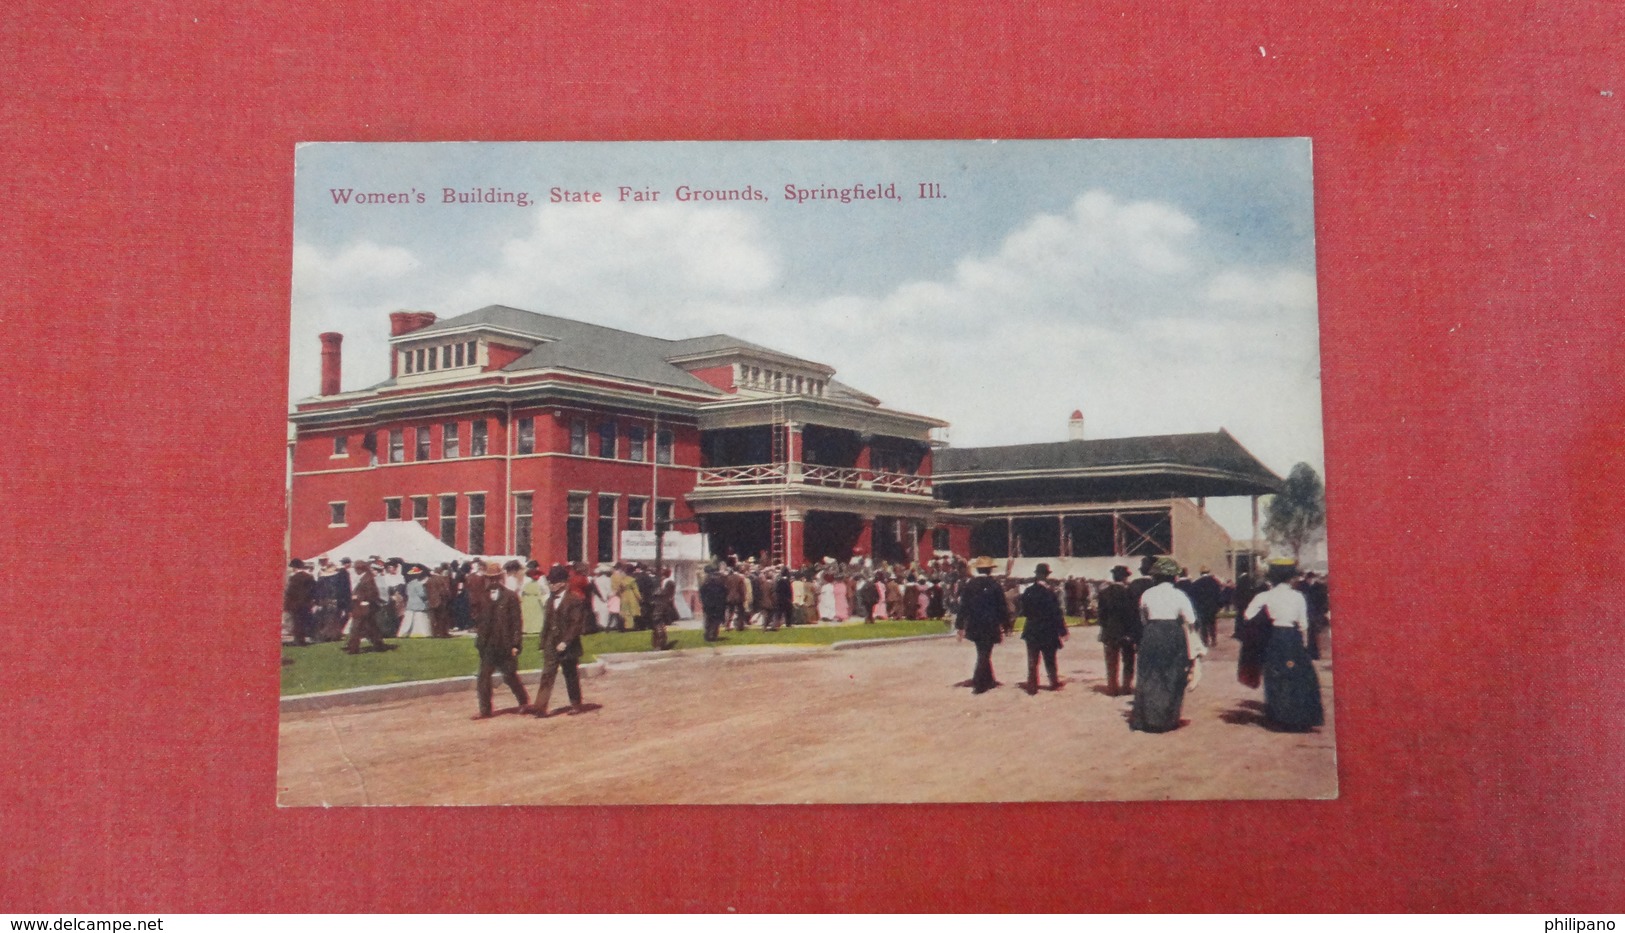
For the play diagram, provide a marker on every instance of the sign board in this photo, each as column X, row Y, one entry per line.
column 640, row 546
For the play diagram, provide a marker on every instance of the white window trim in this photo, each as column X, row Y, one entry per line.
column 344, row 524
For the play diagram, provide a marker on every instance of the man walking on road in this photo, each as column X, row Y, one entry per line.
column 984, row 618
column 498, row 626
column 1119, row 630
column 1045, row 629
column 565, row 621
column 1206, row 593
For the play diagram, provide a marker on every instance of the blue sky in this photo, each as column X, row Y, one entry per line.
column 1159, row 285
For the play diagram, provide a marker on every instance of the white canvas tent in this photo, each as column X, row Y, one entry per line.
column 406, row 540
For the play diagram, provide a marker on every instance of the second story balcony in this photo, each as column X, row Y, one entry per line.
column 803, row 475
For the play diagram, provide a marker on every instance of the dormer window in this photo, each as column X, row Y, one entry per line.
column 440, row 358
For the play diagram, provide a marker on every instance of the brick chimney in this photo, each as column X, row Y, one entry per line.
column 404, row 322
column 330, row 362
column 1074, row 427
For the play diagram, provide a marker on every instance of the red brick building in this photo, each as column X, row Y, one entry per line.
column 503, row 431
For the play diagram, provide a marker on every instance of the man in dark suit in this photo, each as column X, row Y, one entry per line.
column 437, row 593
column 1206, row 594
column 1315, row 599
column 984, row 618
column 1044, row 631
column 713, row 603
column 364, row 603
column 343, row 591
column 734, row 580
column 1119, row 630
column 565, row 620
column 868, row 597
column 498, row 631
column 299, row 601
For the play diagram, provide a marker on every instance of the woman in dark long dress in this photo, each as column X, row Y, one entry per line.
column 1291, row 685
column 1163, row 661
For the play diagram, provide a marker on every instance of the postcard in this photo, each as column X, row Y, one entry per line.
column 805, row 472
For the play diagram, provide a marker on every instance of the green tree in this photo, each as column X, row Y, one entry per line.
column 1297, row 513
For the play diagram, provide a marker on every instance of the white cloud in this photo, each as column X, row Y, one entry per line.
column 612, row 263
column 350, row 291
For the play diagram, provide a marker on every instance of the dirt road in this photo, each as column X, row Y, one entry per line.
column 870, row 725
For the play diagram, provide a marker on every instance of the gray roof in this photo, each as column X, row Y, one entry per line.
column 591, row 348
column 1206, row 452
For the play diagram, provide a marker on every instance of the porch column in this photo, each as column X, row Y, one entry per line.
column 865, row 544
column 792, row 451
column 1252, row 546
column 794, row 528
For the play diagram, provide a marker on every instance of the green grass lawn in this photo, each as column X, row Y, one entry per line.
column 325, row 667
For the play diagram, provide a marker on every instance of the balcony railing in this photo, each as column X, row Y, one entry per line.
column 768, row 474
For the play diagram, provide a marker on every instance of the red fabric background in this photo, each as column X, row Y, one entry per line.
column 1468, row 185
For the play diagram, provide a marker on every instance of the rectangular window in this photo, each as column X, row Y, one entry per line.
column 636, row 444
column 606, row 439
column 476, row 439
column 418, row 355
column 634, row 513
column 473, row 358
column 939, row 539
column 341, row 446
column 397, row 446
column 420, row 511
column 392, row 510
column 421, row 436
column 663, row 515
column 476, row 523
column 663, row 447
column 578, row 437
column 575, row 529
column 433, row 358
column 449, row 448
column 522, row 509
column 606, row 529
column 527, row 435
column 406, row 362
column 335, row 514
column 445, row 357
column 458, row 360
column 448, row 521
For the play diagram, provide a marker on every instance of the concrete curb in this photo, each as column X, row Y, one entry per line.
column 876, row 642
column 412, row 689
column 619, row 661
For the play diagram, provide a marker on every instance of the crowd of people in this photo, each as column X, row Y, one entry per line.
column 1160, row 626
column 1154, row 629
